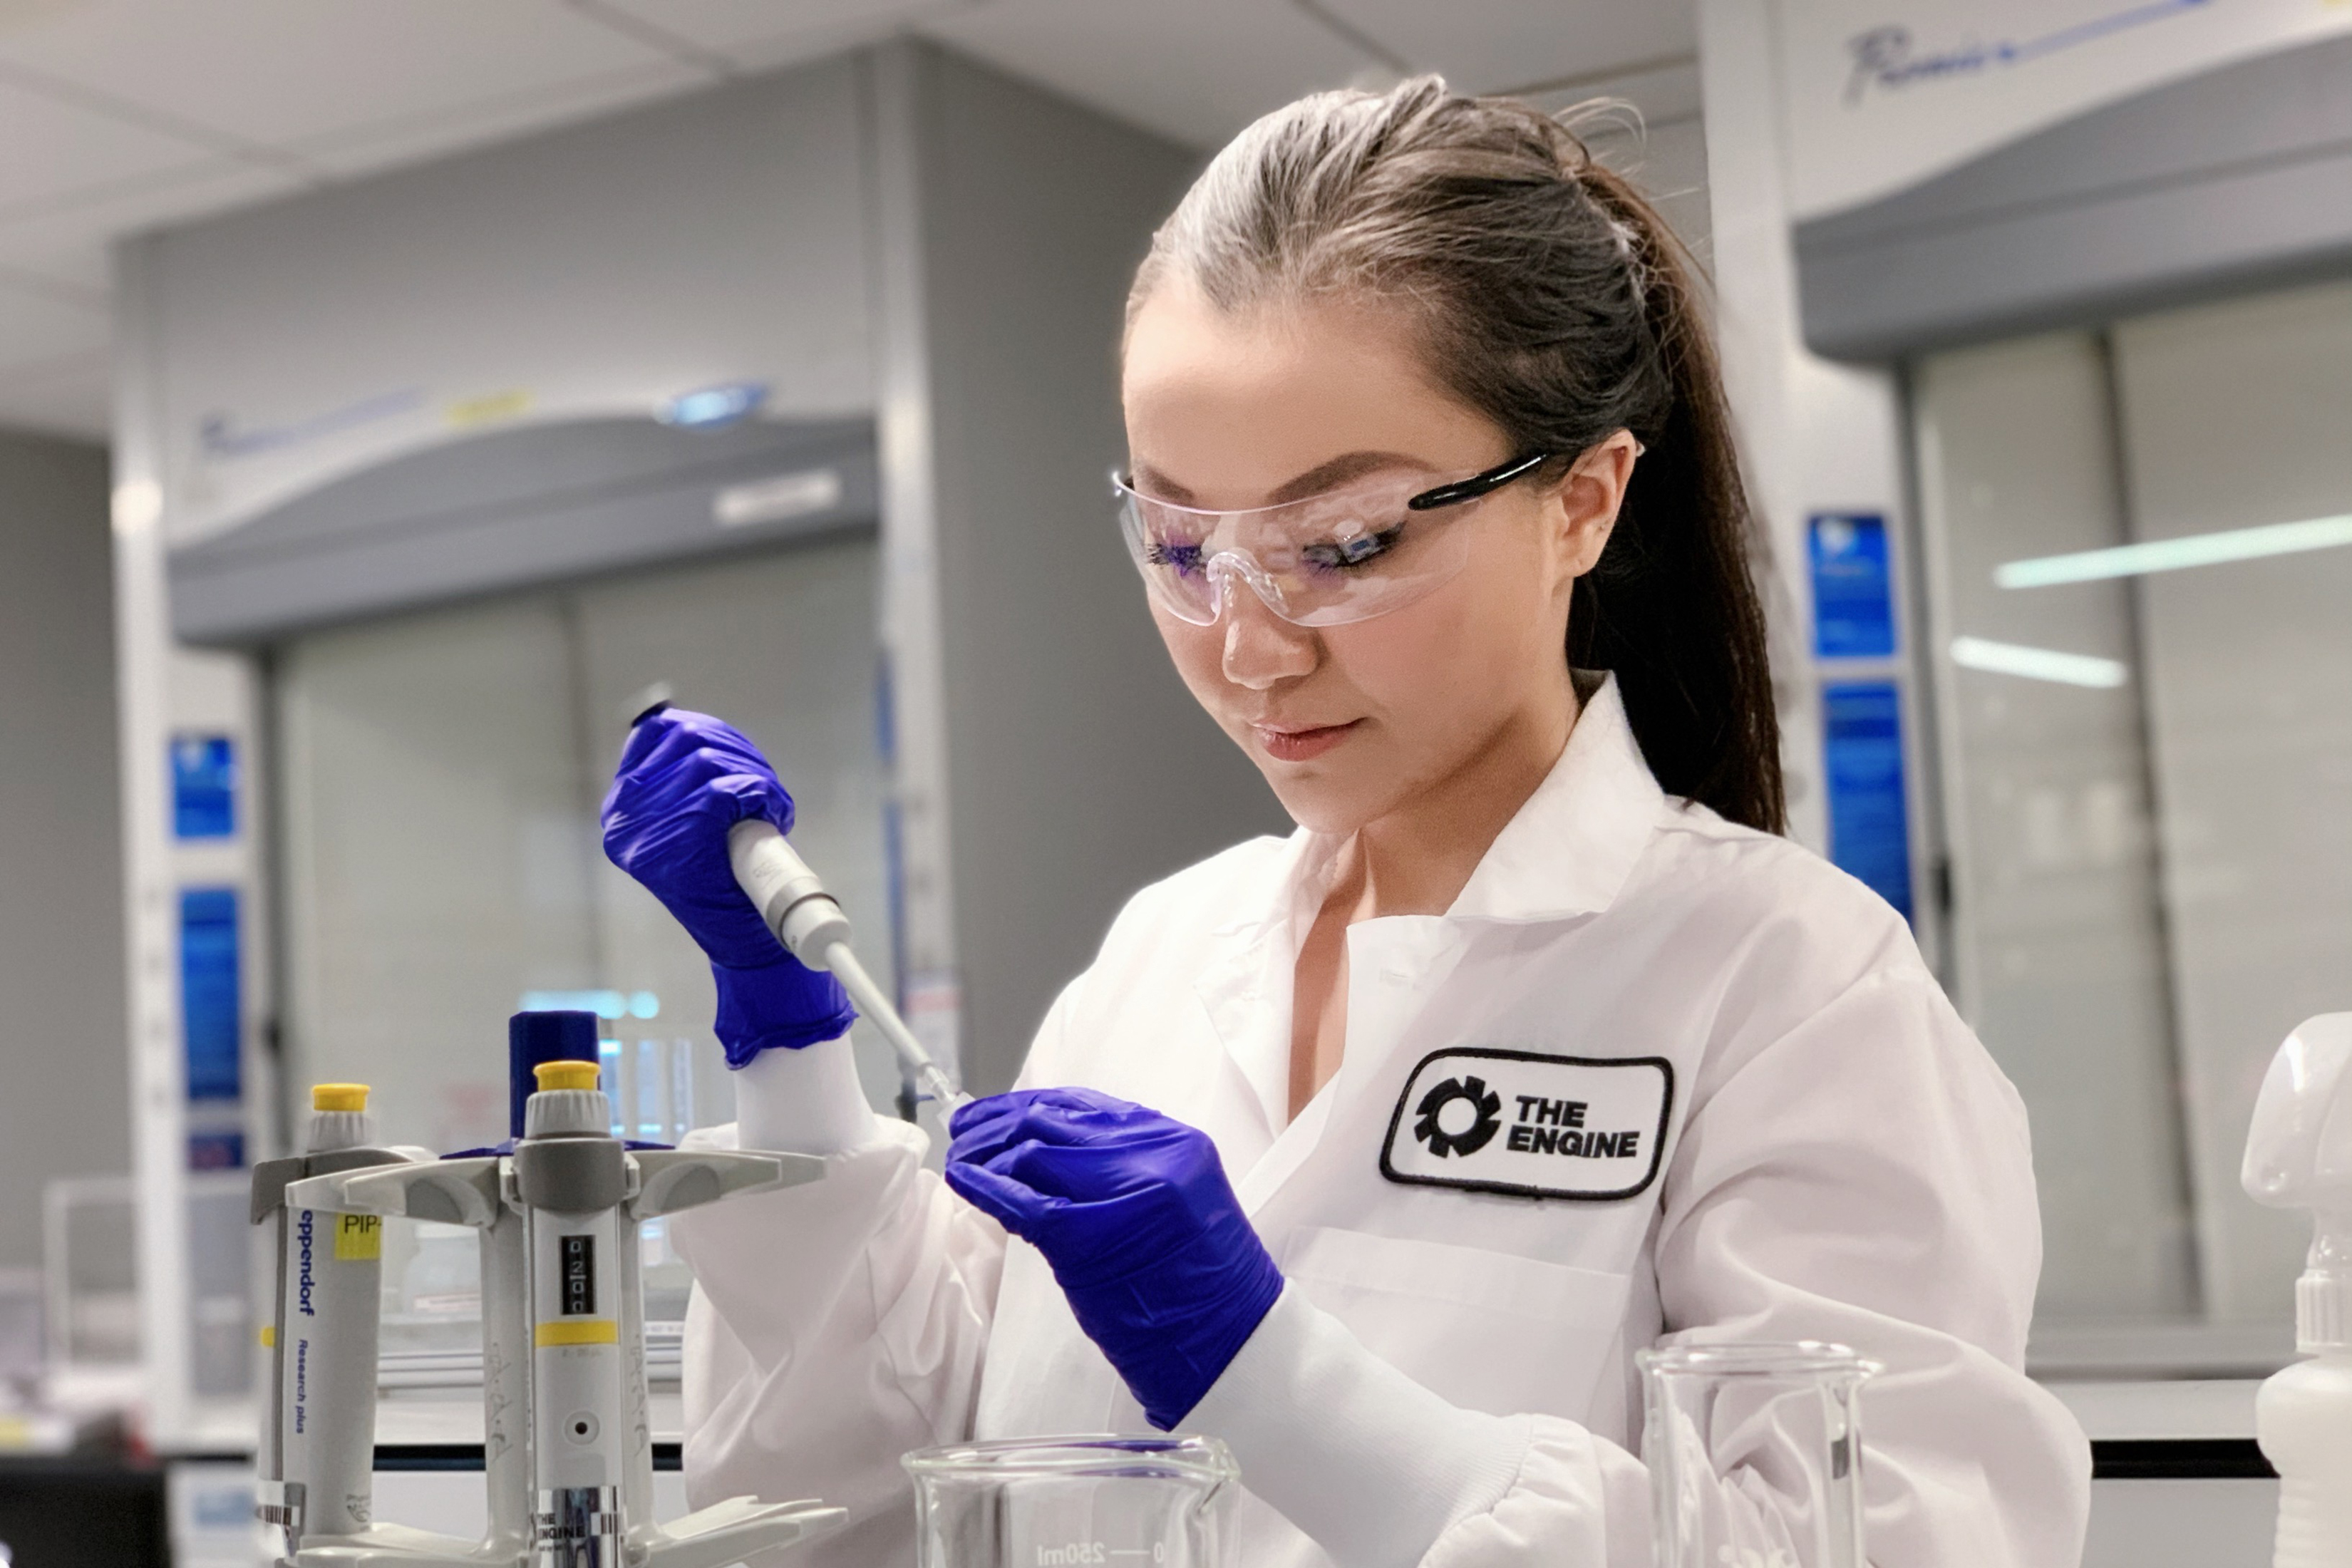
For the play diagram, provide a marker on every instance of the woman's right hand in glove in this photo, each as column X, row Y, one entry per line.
column 685, row 779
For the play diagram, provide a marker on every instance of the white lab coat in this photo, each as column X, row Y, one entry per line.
column 1448, row 1377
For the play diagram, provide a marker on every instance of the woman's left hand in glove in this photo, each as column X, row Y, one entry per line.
column 1134, row 1214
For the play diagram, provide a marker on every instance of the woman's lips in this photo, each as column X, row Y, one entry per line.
column 1284, row 745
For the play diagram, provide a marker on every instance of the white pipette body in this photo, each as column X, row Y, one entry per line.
column 805, row 918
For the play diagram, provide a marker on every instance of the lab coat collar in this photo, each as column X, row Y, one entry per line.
column 1571, row 848
column 1567, row 852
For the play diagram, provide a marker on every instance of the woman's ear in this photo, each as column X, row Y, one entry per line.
column 1586, row 503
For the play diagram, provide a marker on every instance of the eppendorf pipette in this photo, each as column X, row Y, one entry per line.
column 809, row 924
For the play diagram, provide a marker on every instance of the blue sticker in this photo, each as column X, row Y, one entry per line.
column 1870, row 823
column 211, row 999
column 1853, row 592
column 204, row 786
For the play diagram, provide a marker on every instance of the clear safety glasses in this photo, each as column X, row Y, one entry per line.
column 1347, row 554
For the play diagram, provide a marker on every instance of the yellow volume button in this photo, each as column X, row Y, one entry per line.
column 577, row 1331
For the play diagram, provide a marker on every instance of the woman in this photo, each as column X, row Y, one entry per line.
column 1535, row 1044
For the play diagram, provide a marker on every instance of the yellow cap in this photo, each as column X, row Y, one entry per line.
column 339, row 1097
column 565, row 1074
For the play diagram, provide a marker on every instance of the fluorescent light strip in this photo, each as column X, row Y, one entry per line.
column 2175, row 554
column 2037, row 663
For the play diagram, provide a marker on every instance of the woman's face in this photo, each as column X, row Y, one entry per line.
column 1351, row 723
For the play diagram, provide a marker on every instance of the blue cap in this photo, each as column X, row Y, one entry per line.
column 535, row 1038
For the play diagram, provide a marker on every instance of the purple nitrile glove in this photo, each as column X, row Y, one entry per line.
column 685, row 779
column 1135, row 1218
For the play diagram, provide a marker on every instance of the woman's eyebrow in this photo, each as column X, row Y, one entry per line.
column 1145, row 480
column 1321, row 477
column 1340, row 470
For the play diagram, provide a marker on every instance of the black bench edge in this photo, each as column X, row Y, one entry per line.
column 468, row 1456
column 2177, row 1459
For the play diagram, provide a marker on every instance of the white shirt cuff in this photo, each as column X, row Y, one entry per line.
column 1368, row 1462
column 807, row 1101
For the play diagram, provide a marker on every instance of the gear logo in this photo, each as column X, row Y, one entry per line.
column 1464, row 1137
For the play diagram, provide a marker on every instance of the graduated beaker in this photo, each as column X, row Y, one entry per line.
column 1075, row 1502
column 1755, row 1453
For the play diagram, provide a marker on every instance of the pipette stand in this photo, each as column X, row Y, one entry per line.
column 567, row 1445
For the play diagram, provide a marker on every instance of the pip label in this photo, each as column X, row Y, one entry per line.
column 359, row 1238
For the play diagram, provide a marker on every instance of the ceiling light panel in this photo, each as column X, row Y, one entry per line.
column 1196, row 73
column 57, row 147
column 761, row 35
column 270, row 72
column 1491, row 45
column 414, row 139
column 66, row 239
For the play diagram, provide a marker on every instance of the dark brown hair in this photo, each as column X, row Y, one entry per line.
column 1554, row 299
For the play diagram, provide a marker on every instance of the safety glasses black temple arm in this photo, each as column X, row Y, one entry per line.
column 1122, row 484
column 1477, row 485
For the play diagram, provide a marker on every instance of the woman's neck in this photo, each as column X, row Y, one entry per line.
column 1417, row 859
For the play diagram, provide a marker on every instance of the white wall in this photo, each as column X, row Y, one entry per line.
column 65, row 1107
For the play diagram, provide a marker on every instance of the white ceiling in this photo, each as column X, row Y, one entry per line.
column 122, row 115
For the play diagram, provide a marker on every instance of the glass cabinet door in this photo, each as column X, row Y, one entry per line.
column 439, row 777
column 2145, row 713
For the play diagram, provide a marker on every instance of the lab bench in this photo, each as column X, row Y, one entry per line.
column 2176, row 1480
column 2178, row 1483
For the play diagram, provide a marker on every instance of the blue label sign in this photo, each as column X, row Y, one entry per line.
column 1853, row 589
column 204, row 786
column 1870, row 823
column 210, row 1001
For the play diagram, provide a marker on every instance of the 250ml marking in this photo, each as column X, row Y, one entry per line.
column 1089, row 1553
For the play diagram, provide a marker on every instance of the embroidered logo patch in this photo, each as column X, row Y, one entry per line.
column 1530, row 1125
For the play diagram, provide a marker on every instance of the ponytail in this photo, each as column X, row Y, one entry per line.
column 1554, row 299
column 1672, row 606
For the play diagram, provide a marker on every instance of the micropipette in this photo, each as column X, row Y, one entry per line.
column 809, row 922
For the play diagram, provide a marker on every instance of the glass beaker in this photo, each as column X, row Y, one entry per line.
column 1755, row 1453
column 1075, row 1502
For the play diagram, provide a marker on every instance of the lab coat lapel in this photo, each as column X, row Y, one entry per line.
column 1245, row 988
column 1395, row 965
column 1233, row 992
